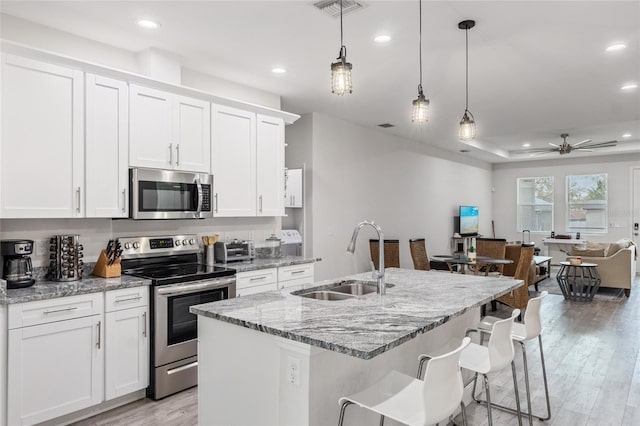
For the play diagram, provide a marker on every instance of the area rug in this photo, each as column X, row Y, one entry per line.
column 603, row 294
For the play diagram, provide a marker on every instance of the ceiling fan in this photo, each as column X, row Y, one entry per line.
column 566, row 148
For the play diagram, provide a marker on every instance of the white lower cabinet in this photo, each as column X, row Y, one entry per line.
column 126, row 341
column 54, row 369
column 253, row 282
column 289, row 276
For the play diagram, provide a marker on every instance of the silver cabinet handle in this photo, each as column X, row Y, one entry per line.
column 170, row 153
column 258, row 278
column 78, row 199
column 72, row 308
column 99, row 342
column 124, row 200
column 128, row 299
column 215, row 200
column 144, row 324
column 297, row 272
column 260, row 199
column 177, row 154
column 294, row 200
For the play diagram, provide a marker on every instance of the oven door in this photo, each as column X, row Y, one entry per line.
column 176, row 329
column 166, row 194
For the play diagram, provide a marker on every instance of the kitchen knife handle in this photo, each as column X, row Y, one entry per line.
column 170, row 153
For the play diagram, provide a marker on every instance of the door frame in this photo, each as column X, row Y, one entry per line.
column 634, row 209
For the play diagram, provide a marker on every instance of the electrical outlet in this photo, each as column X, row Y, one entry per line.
column 293, row 370
column 41, row 247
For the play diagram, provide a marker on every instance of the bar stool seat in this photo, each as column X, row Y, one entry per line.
column 412, row 401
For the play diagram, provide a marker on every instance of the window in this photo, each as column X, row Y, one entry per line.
column 587, row 203
column 535, row 204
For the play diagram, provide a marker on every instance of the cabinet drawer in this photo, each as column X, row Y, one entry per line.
column 58, row 309
column 126, row 298
column 295, row 272
column 256, row 278
column 246, row 291
column 295, row 282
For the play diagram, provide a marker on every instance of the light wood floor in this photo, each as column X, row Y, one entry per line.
column 591, row 352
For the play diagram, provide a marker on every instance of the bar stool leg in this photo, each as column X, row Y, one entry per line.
column 464, row 415
column 343, row 407
column 515, row 387
column 526, row 380
column 486, row 387
column 381, row 420
column 544, row 376
column 473, row 391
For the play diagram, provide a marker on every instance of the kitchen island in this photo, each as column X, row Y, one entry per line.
column 279, row 358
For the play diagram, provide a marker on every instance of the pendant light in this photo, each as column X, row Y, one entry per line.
column 420, row 110
column 341, row 70
column 467, row 130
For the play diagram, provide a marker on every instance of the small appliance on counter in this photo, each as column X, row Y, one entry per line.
column 234, row 251
column 272, row 248
column 291, row 242
column 66, row 256
column 17, row 270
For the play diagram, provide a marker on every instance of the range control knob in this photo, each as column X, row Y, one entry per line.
column 185, row 242
column 136, row 245
column 127, row 246
column 177, row 242
column 192, row 242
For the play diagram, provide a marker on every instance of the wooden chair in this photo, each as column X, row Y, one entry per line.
column 391, row 253
column 519, row 297
column 419, row 254
column 494, row 248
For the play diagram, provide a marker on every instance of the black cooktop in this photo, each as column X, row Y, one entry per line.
column 179, row 272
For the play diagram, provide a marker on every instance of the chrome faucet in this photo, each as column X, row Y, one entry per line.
column 377, row 275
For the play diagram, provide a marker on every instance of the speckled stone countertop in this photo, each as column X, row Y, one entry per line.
column 257, row 264
column 42, row 290
column 368, row 325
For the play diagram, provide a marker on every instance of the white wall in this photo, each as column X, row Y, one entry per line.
column 618, row 169
column 361, row 173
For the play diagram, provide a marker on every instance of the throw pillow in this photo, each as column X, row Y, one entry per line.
column 618, row 245
column 587, row 252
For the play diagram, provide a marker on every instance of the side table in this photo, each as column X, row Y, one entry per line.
column 578, row 282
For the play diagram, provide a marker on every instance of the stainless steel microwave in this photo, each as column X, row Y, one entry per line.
column 167, row 194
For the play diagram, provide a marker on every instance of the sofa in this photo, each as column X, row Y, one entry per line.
column 616, row 262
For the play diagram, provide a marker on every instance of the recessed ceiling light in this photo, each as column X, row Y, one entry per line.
column 382, row 38
column 616, row 47
column 526, row 145
column 278, row 70
column 626, row 135
column 629, row 86
column 148, row 24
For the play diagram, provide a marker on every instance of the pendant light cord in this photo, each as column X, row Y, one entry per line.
column 420, row 47
column 466, row 36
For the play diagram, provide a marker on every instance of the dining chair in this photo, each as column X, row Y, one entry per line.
column 413, row 401
column 521, row 333
column 391, row 253
column 519, row 297
column 419, row 254
column 494, row 248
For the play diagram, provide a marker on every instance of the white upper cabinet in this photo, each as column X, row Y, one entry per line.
column 293, row 193
column 168, row 131
column 107, row 142
column 270, row 166
column 42, row 140
column 233, row 161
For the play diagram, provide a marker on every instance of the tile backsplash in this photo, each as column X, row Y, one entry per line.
column 95, row 233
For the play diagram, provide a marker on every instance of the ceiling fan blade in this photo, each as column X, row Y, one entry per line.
column 580, row 143
column 583, row 149
column 601, row 144
column 555, row 145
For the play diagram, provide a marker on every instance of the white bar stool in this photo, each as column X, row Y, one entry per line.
column 531, row 329
column 492, row 358
column 412, row 401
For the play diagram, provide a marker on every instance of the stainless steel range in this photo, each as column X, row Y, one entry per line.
column 179, row 282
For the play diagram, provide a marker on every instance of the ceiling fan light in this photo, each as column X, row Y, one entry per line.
column 467, row 130
column 341, row 77
column 420, row 110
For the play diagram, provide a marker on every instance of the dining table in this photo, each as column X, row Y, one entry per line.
column 477, row 264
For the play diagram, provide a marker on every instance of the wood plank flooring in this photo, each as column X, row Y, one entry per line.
column 591, row 351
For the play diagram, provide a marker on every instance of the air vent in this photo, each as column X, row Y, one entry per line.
column 332, row 7
column 386, row 125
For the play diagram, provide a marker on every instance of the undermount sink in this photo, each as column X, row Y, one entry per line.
column 341, row 290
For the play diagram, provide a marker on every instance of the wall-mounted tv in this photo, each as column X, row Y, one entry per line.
column 469, row 221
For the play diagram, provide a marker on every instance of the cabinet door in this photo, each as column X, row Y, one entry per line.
column 107, row 144
column 270, row 166
column 192, row 134
column 127, row 351
column 41, row 148
column 293, row 196
column 233, row 161
column 54, row 369
column 150, row 132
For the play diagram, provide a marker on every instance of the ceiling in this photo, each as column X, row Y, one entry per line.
column 536, row 68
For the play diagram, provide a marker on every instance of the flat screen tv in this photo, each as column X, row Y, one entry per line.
column 469, row 222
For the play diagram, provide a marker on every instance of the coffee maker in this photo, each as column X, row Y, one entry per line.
column 16, row 263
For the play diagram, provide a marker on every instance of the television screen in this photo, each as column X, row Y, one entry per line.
column 469, row 222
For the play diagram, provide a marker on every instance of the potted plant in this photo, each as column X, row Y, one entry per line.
column 471, row 253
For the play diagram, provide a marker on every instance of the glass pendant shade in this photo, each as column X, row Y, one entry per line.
column 467, row 130
column 341, row 77
column 420, row 110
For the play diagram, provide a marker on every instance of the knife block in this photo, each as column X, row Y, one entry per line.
column 104, row 270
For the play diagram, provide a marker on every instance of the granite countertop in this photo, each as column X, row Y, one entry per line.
column 42, row 290
column 368, row 325
column 257, row 264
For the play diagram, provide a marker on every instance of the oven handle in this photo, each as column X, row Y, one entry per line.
column 179, row 289
column 199, row 185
